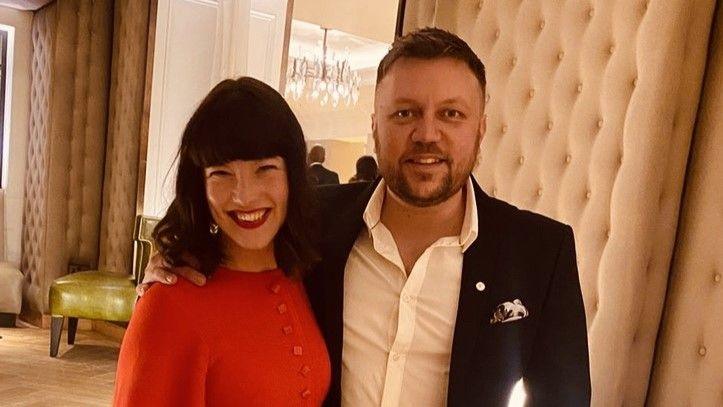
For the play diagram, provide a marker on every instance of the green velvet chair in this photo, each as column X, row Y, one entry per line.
column 99, row 295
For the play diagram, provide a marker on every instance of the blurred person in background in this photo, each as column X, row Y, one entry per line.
column 366, row 169
column 317, row 173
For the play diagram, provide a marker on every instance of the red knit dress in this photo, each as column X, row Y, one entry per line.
column 243, row 339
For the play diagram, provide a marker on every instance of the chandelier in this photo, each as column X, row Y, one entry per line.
column 323, row 79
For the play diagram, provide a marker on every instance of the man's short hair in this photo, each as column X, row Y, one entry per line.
column 432, row 43
column 317, row 154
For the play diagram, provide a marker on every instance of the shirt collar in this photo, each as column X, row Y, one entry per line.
column 470, row 224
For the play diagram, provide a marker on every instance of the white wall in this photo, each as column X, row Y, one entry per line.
column 266, row 40
column 182, row 70
column 375, row 19
column 17, row 136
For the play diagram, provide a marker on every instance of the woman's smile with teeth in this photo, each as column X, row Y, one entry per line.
column 248, row 216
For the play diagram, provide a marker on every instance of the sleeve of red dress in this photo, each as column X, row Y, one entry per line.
column 163, row 360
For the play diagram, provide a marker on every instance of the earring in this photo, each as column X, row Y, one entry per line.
column 213, row 229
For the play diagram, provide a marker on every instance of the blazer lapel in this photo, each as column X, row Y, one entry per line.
column 479, row 265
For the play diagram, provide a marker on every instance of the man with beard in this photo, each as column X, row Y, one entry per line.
column 429, row 291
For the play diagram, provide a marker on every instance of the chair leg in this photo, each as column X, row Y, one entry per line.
column 56, row 328
column 72, row 327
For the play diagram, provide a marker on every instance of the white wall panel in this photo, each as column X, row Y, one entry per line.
column 183, row 62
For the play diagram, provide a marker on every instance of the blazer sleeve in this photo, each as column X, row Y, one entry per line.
column 559, row 371
column 163, row 360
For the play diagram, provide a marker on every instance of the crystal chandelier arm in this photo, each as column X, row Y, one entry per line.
column 323, row 56
column 325, row 81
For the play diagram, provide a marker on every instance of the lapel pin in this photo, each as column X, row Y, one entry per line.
column 480, row 286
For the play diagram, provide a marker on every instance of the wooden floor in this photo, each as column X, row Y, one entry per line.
column 81, row 375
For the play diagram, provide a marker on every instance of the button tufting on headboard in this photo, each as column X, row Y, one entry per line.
column 611, row 76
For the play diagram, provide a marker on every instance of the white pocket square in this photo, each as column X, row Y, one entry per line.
column 508, row 312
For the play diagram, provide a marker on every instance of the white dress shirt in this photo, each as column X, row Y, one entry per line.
column 398, row 329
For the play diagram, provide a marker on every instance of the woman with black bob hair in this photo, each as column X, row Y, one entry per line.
column 244, row 210
column 243, row 119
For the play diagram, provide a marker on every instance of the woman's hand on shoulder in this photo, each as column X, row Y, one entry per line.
column 158, row 270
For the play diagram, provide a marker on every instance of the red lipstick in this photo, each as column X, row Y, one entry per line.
column 252, row 224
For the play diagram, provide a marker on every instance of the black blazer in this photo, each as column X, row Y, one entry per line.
column 517, row 255
column 320, row 175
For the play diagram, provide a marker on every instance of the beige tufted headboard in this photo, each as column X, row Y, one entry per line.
column 689, row 359
column 69, row 100
column 33, row 236
column 591, row 105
